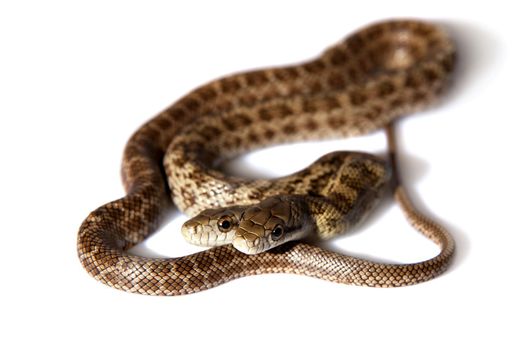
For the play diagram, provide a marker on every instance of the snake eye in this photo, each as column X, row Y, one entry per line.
column 225, row 224
column 277, row 232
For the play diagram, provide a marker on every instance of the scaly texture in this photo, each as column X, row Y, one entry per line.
column 360, row 85
column 326, row 199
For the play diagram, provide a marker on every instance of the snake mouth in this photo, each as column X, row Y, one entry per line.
column 247, row 245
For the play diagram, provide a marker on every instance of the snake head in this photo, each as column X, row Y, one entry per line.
column 272, row 222
column 213, row 227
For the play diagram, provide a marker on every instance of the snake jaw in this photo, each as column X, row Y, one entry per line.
column 247, row 244
column 250, row 237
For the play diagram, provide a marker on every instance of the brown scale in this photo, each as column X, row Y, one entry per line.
column 400, row 66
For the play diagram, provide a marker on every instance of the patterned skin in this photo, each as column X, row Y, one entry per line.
column 358, row 86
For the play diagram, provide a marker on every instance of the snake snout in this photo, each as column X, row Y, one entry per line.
column 247, row 244
column 191, row 230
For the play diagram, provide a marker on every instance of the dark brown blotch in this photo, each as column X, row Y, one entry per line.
column 316, row 87
column 372, row 113
column 311, row 125
column 413, row 49
column 385, row 88
column 419, row 97
column 207, row 93
column 241, row 119
column 151, row 134
column 338, row 57
column 178, row 159
column 253, row 137
column 282, row 111
column 448, row 63
column 276, row 112
column 430, row 75
column 227, row 143
column 210, row 132
column 230, row 85
column 187, row 196
column 191, row 104
column 208, row 109
column 269, row 134
column 331, row 102
column 355, row 43
column 309, row 106
column 138, row 165
column 336, row 122
column 375, row 32
column 224, row 105
column 433, row 43
column 364, row 63
column 353, row 75
column 132, row 150
column 164, row 122
column 286, row 74
column 236, row 141
column 336, row 81
column 265, row 114
column 316, row 66
column 176, row 112
column 412, row 81
column 256, row 78
column 289, row 128
column 358, row 98
column 422, row 30
column 270, row 94
column 229, row 124
column 248, row 100
column 396, row 102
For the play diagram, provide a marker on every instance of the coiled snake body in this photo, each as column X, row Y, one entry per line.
column 360, row 85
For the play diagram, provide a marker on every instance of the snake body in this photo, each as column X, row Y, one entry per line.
column 360, row 85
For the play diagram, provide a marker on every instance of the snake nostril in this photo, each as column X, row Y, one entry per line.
column 186, row 232
column 190, row 229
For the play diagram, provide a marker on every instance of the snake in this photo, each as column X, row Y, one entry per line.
column 362, row 84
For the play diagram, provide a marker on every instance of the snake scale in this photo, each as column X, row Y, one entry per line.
column 362, row 84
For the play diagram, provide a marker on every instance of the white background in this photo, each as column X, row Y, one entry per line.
column 76, row 79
